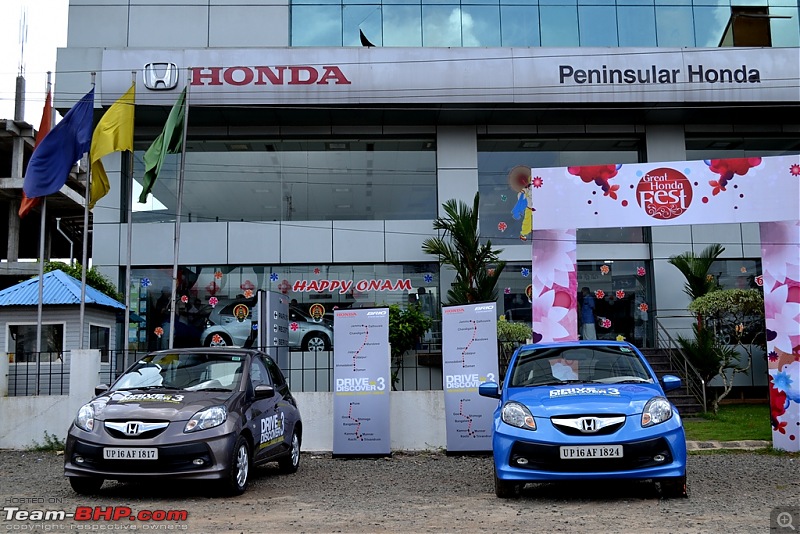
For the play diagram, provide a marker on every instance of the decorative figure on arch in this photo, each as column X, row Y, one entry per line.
column 519, row 179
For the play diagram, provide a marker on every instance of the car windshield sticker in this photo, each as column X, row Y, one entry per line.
column 624, row 349
column 236, row 358
column 587, row 390
column 272, row 429
column 152, row 397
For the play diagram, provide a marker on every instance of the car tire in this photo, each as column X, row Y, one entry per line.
column 291, row 462
column 674, row 487
column 226, row 341
column 316, row 342
column 505, row 489
column 235, row 482
column 86, row 485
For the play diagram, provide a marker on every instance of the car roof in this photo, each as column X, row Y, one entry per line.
column 208, row 350
column 576, row 343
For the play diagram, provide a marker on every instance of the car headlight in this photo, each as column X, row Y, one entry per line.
column 85, row 418
column 205, row 419
column 518, row 415
column 657, row 410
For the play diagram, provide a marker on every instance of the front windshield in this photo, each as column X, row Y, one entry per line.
column 573, row 364
column 195, row 371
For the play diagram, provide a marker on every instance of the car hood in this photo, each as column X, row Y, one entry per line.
column 576, row 399
column 164, row 404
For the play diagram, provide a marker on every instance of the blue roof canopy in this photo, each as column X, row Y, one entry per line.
column 59, row 288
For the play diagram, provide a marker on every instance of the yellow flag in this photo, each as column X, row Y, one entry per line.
column 113, row 133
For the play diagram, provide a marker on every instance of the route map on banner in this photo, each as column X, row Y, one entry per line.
column 469, row 349
column 361, row 377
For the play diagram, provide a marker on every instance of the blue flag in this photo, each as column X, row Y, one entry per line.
column 54, row 157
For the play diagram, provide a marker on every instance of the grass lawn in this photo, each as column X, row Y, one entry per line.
column 734, row 422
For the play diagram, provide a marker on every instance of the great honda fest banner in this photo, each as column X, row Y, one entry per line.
column 362, row 381
column 469, row 357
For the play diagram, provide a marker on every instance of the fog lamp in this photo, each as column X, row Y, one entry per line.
column 198, row 461
column 659, row 458
column 522, row 461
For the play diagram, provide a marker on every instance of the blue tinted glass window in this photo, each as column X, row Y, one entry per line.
column 785, row 32
column 709, row 24
column 441, row 25
column 402, row 25
column 598, row 26
column 674, row 26
column 317, row 26
column 481, row 25
column 559, row 25
column 366, row 18
column 637, row 25
column 519, row 25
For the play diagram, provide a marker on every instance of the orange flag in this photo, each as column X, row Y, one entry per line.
column 28, row 204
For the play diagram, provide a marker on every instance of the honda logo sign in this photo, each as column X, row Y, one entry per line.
column 132, row 429
column 160, row 76
column 589, row 424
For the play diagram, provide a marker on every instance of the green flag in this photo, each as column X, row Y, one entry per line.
column 168, row 142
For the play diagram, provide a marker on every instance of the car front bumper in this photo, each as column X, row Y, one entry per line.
column 534, row 455
column 83, row 457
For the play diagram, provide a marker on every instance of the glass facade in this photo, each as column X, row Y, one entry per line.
column 496, row 157
column 208, row 295
column 551, row 23
column 297, row 180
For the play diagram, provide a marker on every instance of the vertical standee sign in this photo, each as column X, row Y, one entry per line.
column 361, row 380
column 273, row 327
column 469, row 348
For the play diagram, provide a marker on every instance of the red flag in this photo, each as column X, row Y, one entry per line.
column 28, row 204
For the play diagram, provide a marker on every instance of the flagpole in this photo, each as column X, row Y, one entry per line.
column 129, row 206
column 85, row 243
column 40, row 306
column 178, row 217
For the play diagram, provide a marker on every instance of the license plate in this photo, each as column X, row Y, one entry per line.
column 130, row 453
column 590, row 452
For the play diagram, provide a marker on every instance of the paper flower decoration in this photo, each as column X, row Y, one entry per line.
column 158, row 331
column 605, row 323
column 604, row 269
column 428, row 278
column 213, row 301
column 273, row 277
column 248, row 293
column 643, row 307
column 640, row 271
column 620, row 294
column 218, row 275
column 184, row 299
column 502, row 226
column 600, row 294
column 146, row 282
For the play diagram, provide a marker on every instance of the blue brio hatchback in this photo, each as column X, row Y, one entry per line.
column 585, row 410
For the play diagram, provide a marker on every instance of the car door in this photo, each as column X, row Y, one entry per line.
column 286, row 405
column 265, row 423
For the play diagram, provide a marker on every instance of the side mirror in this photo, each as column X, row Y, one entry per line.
column 670, row 382
column 489, row 389
column 264, row 391
column 100, row 389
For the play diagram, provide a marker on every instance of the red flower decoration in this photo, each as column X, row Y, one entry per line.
column 743, row 269
column 248, row 293
column 502, row 226
column 794, row 170
column 247, row 284
column 605, row 323
column 158, row 331
column 780, row 427
column 760, row 281
column 643, row 307
column 213, row 301
column 184, row 299
column 284, row 286
column 216, row 339
column 218, row 275
column 316, row 270
column 537, row 182
column 717, row 187
column 640, row 271
column 604, row 269
column 294, row 327
column 612, row 191
column 620, row 294
column 600, row 294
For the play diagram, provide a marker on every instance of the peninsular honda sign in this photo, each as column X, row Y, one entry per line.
column 348, row 76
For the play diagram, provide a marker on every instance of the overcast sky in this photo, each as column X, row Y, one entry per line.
column 47, row 31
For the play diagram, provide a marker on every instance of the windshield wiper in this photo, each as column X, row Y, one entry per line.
column 558, row 382
column 212, row 389
column 147, row 387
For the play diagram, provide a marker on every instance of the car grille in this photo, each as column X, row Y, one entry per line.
column 635, row 455
column 143, row 429
column 576, row 430
column 170, row 458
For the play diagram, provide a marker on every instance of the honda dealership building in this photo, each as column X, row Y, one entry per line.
column 315, row 164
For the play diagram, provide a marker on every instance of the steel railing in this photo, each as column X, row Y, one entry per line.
column 695, row 385
column 43, row 373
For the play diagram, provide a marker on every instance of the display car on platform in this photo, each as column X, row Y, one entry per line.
column 585, row 410
column 191, row 414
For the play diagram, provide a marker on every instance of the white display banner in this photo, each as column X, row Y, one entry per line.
column 361, row 380
column 469, row 357
column 347, row 76
column 657, row 194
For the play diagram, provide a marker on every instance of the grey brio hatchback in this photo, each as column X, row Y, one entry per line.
column 192, row 414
